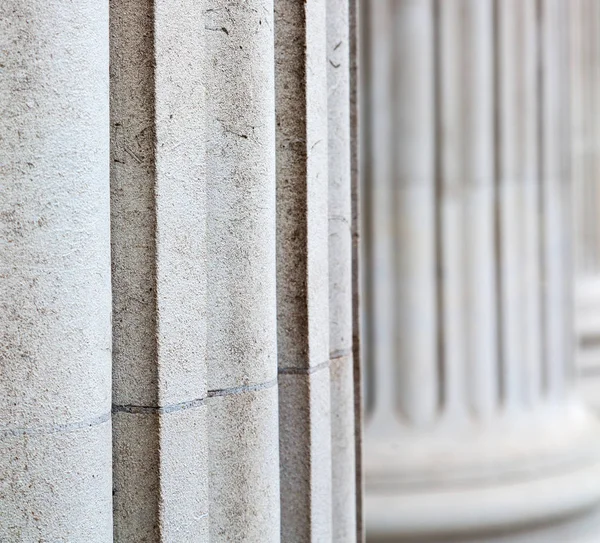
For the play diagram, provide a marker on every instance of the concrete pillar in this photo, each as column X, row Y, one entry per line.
column 55, row 300
column 585, row 146
column 474, row 425
column 301, row 58
column 241, row 302
column 159, row 261
column 343, row 462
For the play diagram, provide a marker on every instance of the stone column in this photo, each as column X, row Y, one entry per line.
column 473, row 422
column 55, row 299
column 585, row 145
column 302, row 270
column 159, row 262
column 242, row 326
column 343, row 462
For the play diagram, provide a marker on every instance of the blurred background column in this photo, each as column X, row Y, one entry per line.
column 585, row 145
column 474, row 427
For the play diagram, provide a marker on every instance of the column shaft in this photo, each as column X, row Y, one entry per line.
column 302, row 270
column 585, row 168
column 55, row 300
column 469, row 272
column 159, row 272
column 242, row 328
column 343, row 461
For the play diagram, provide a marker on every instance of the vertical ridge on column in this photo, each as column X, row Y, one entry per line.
column 343, row 461
column 55, row 300
column 417, row 381
column 467, row 206
column 477, row 103
column 452, row 216
column 530, row 206
column 554, row 178
column 242, row 329
column 517, row 178
column 159, row 272
column 302, row 270
column 381, row 282
column 355, row 51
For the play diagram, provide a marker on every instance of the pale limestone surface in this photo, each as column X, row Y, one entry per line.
column 305, row 449
column 244, row 466
column 340, row 273
column 159, row 272
column 55, row 303
column 302, row 270
column 242, row 330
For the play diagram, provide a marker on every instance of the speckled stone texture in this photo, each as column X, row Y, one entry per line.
column 242, row 340
column 55, row 301
column 340, row 273
column 302, row 270
column 159, row 271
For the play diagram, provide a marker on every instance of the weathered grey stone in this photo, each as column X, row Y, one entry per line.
column 305, row 449
column 159, row 271
column 160, row 489
column 158, row 203
column 356, row 52
column 240, row 192
column 340, row 272
column 244, row 466
column 55, row 268
column 136, row 479
column 343, row 462
column 302, row 190
column 301, row 88
column 242, row 340
column 55, row 483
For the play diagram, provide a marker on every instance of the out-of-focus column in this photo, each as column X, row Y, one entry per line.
column 55, row 299
column 242, row 328
column 343, row 463
column 305, row 440
column 585, row 146
column 473, row 423
column 159, row 271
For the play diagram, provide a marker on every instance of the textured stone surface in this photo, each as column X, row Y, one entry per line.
column 301, row 89
column 302, row 190
column 305, row 448
column 55, row 484
column 242, row 340
column 55, row 273
column 159, row 271
column 340, row 272
column 343, row 463
column 244, row 466
column 240, row 192
column 160, row 486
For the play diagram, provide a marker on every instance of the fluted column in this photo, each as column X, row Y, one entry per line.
column 473, row 421
column 55, row 300
column 585, row 145
column 343, row 461
column 159, row 261
column 241, row 295
column 302, row 270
